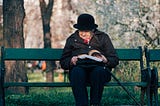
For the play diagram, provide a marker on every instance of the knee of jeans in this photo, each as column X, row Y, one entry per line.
column 103, row 72
column 108, row 75
column 100, row 70
column 77, row 72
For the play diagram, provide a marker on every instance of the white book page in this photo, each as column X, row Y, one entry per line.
column 90, row 57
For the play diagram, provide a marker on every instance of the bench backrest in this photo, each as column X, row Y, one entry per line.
column 131, row 55
column 152, row 55
column 31, row 54
column 55, row 54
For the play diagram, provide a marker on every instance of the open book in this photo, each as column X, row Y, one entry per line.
column 85, row 56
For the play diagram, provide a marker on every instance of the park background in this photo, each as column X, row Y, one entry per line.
column 47, row 24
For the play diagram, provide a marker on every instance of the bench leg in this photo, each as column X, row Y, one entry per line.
column 2, row 94
column 143, row 90
column 156, row 97
column 148, row 96
column 146, row 77
column 146, row 90
column 154, row 87
column 151, row 96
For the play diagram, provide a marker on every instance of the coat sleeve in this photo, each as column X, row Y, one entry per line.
column 66, row 55
column 110, row 52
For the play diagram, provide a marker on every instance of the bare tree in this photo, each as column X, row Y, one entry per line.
column 46, row 12
column 13, row 16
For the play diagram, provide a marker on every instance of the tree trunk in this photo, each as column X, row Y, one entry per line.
column 13, row 16
column 46, row 12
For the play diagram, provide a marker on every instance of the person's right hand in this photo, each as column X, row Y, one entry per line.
column 74, row 60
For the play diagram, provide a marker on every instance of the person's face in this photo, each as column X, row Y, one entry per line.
column 85, row 34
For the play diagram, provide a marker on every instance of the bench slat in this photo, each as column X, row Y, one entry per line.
column 67, row 84
column 154, row 55
column 55, row 54
column 32, row 54
column 129, row 54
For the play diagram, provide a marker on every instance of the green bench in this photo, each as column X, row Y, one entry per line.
column 49, row 54
column 153, row 55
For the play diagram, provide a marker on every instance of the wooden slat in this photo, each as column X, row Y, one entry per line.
column 62, row 84
column 55, row 54
column 154, row 55
column 129, row 54
column 32, row 54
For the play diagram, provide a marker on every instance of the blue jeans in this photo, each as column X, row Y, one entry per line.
column 96, row 76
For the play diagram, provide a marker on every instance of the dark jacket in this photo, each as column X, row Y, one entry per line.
column 75, row 46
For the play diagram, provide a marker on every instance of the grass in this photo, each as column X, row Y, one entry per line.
column 39, row 97
column 38, row 76
column 63, row 96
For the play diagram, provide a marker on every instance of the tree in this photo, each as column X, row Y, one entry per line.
column 62, row 22
column 129, row 22
column 134, row 22
column 46, row 12
column 13, row 16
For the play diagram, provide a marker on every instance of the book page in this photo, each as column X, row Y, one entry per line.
column 90, row 57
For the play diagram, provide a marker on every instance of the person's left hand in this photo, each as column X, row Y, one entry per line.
column 74, row 60
column 104, row 59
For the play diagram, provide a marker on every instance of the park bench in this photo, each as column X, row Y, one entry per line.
column 48, row 54
column 152, row 56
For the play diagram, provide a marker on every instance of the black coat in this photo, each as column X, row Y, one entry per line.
column 75, row 46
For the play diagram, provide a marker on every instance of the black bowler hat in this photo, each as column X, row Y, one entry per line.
column 85, row 22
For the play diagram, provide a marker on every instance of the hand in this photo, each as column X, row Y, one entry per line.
column 104, row 59
column 74, row 60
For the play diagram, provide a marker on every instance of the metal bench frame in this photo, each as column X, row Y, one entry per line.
column 153, row 55
column 49, row 54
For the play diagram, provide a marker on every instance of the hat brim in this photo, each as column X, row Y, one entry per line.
column 85, row 27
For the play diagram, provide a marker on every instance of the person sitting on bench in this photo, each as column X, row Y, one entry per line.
column 89, row 55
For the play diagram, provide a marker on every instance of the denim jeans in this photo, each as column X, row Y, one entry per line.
column 96, row 76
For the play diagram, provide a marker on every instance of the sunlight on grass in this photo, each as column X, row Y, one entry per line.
column 38, row 76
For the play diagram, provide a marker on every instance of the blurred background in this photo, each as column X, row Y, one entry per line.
column 47, row 24
column 130, row 23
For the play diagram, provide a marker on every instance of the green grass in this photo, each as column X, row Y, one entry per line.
column 38, row 76
column 63, row 96
column 42, row 97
